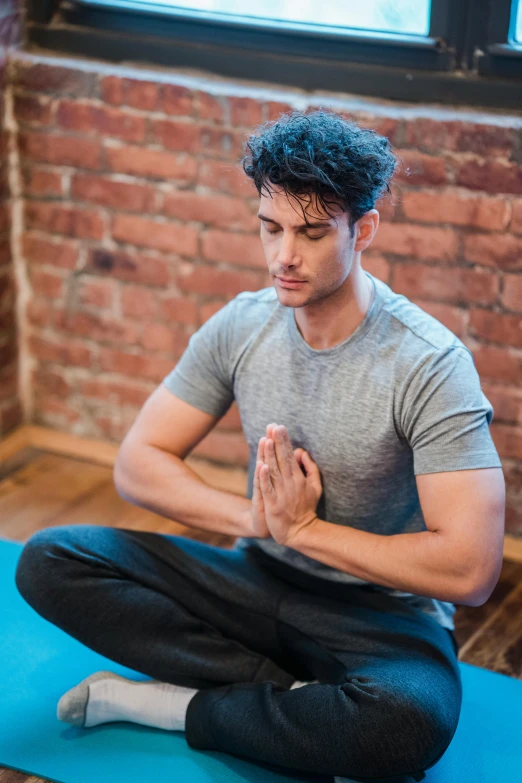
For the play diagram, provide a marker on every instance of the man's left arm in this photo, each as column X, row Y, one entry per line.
column 458, row 559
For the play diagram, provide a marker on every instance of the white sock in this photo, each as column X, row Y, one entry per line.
column 299, row 683
column 158, row 704
column 105, row 696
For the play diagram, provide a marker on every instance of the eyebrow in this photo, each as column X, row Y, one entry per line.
column 323, row 224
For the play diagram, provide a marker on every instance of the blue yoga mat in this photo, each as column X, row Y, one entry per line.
column 40, row 662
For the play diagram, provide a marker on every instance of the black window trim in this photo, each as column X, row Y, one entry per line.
column 468, row 57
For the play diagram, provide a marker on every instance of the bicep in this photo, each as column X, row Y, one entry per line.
column 169, row 423
column 468, row 508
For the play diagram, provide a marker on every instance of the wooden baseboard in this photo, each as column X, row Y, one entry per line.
column 103, row 453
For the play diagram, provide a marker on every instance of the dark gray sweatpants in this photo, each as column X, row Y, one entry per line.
column 241, row 627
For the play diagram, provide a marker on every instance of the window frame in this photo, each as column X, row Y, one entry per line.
column 466, row 58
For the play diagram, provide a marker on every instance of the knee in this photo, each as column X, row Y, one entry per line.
column 34, row 568
column 418, row 735
column 405, row 735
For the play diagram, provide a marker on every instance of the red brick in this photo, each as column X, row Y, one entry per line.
column 508, row 440
column 209, row 281
column 113, row 429
column 163, row 338
column 41, row 182
column 404, row 239
column 8, row 353
column 212, row 108
column 47, row 380
column 87, row 118
column 210, row 209
column 52, row 411
column 102, row 328
column 46, row 283
column 33, row 109
column 181, row 136
column 4, row 217
column 506, row 402
column 235, row 249
column 5, row 252
column 231, row 420
column 219, row 143
column 456, row 207
column 136, row 268
column 61, row 150
column 157, row 164
column 516, row 223
column 389, row 127
column 177, row 99
column 11, row 416
column 114, row 393
column 414, row 168
column 63, row 351
column 496, row 327
column 453, row 318
column 141, row 95
column 245, row 112
column 112, row 89
column 501, row 251
column 452, row 284
column 139, row 302
column 167, row 237
column 276, row 108
column 62, row 254
column 53, row 218
column 132, row 92
column 42, row 77
column 493, row 176
column 208, row 309
column 128, row 196
column 230, row 448
column 8, row 382
column 135, row 365
column 98, row 293
column 511, row 296
column 226, row 178
column 459, row 136
column 498, row 364
column 377, row 266
column 179, row 309
column 39, row 312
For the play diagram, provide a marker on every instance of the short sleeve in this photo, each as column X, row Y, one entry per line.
column 445, row 416
column 202, row 377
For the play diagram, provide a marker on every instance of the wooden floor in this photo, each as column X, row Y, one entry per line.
column 39, row 489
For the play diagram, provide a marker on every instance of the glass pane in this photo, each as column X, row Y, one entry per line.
column 518, row 23
column 401, row 16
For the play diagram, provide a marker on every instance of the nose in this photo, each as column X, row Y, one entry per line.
column 286, row 255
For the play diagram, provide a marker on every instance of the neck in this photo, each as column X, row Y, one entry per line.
column 332, row 320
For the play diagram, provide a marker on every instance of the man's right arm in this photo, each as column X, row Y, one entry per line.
column 150, row 471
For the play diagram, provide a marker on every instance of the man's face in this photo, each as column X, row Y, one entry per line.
column 320, row 254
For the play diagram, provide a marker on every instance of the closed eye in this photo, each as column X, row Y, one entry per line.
column 312, row 239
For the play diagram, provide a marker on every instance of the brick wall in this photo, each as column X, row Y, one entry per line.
column 10, row 408
column 139, row 224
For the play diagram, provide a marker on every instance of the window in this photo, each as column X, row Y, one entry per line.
column 445, row 51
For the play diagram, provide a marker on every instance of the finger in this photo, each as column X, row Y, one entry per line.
column 271, row 461
column 261, row 449
column 264, row 480
column 285, row 456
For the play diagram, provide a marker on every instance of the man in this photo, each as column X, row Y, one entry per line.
column 323, row 641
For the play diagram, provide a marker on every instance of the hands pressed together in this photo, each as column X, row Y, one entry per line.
column 284, row 499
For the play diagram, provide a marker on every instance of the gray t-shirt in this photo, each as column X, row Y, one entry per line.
column 399, row 397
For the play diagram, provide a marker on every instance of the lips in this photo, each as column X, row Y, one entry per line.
column 285, row 280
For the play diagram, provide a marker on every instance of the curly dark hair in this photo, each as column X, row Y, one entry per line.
column 323, row 154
